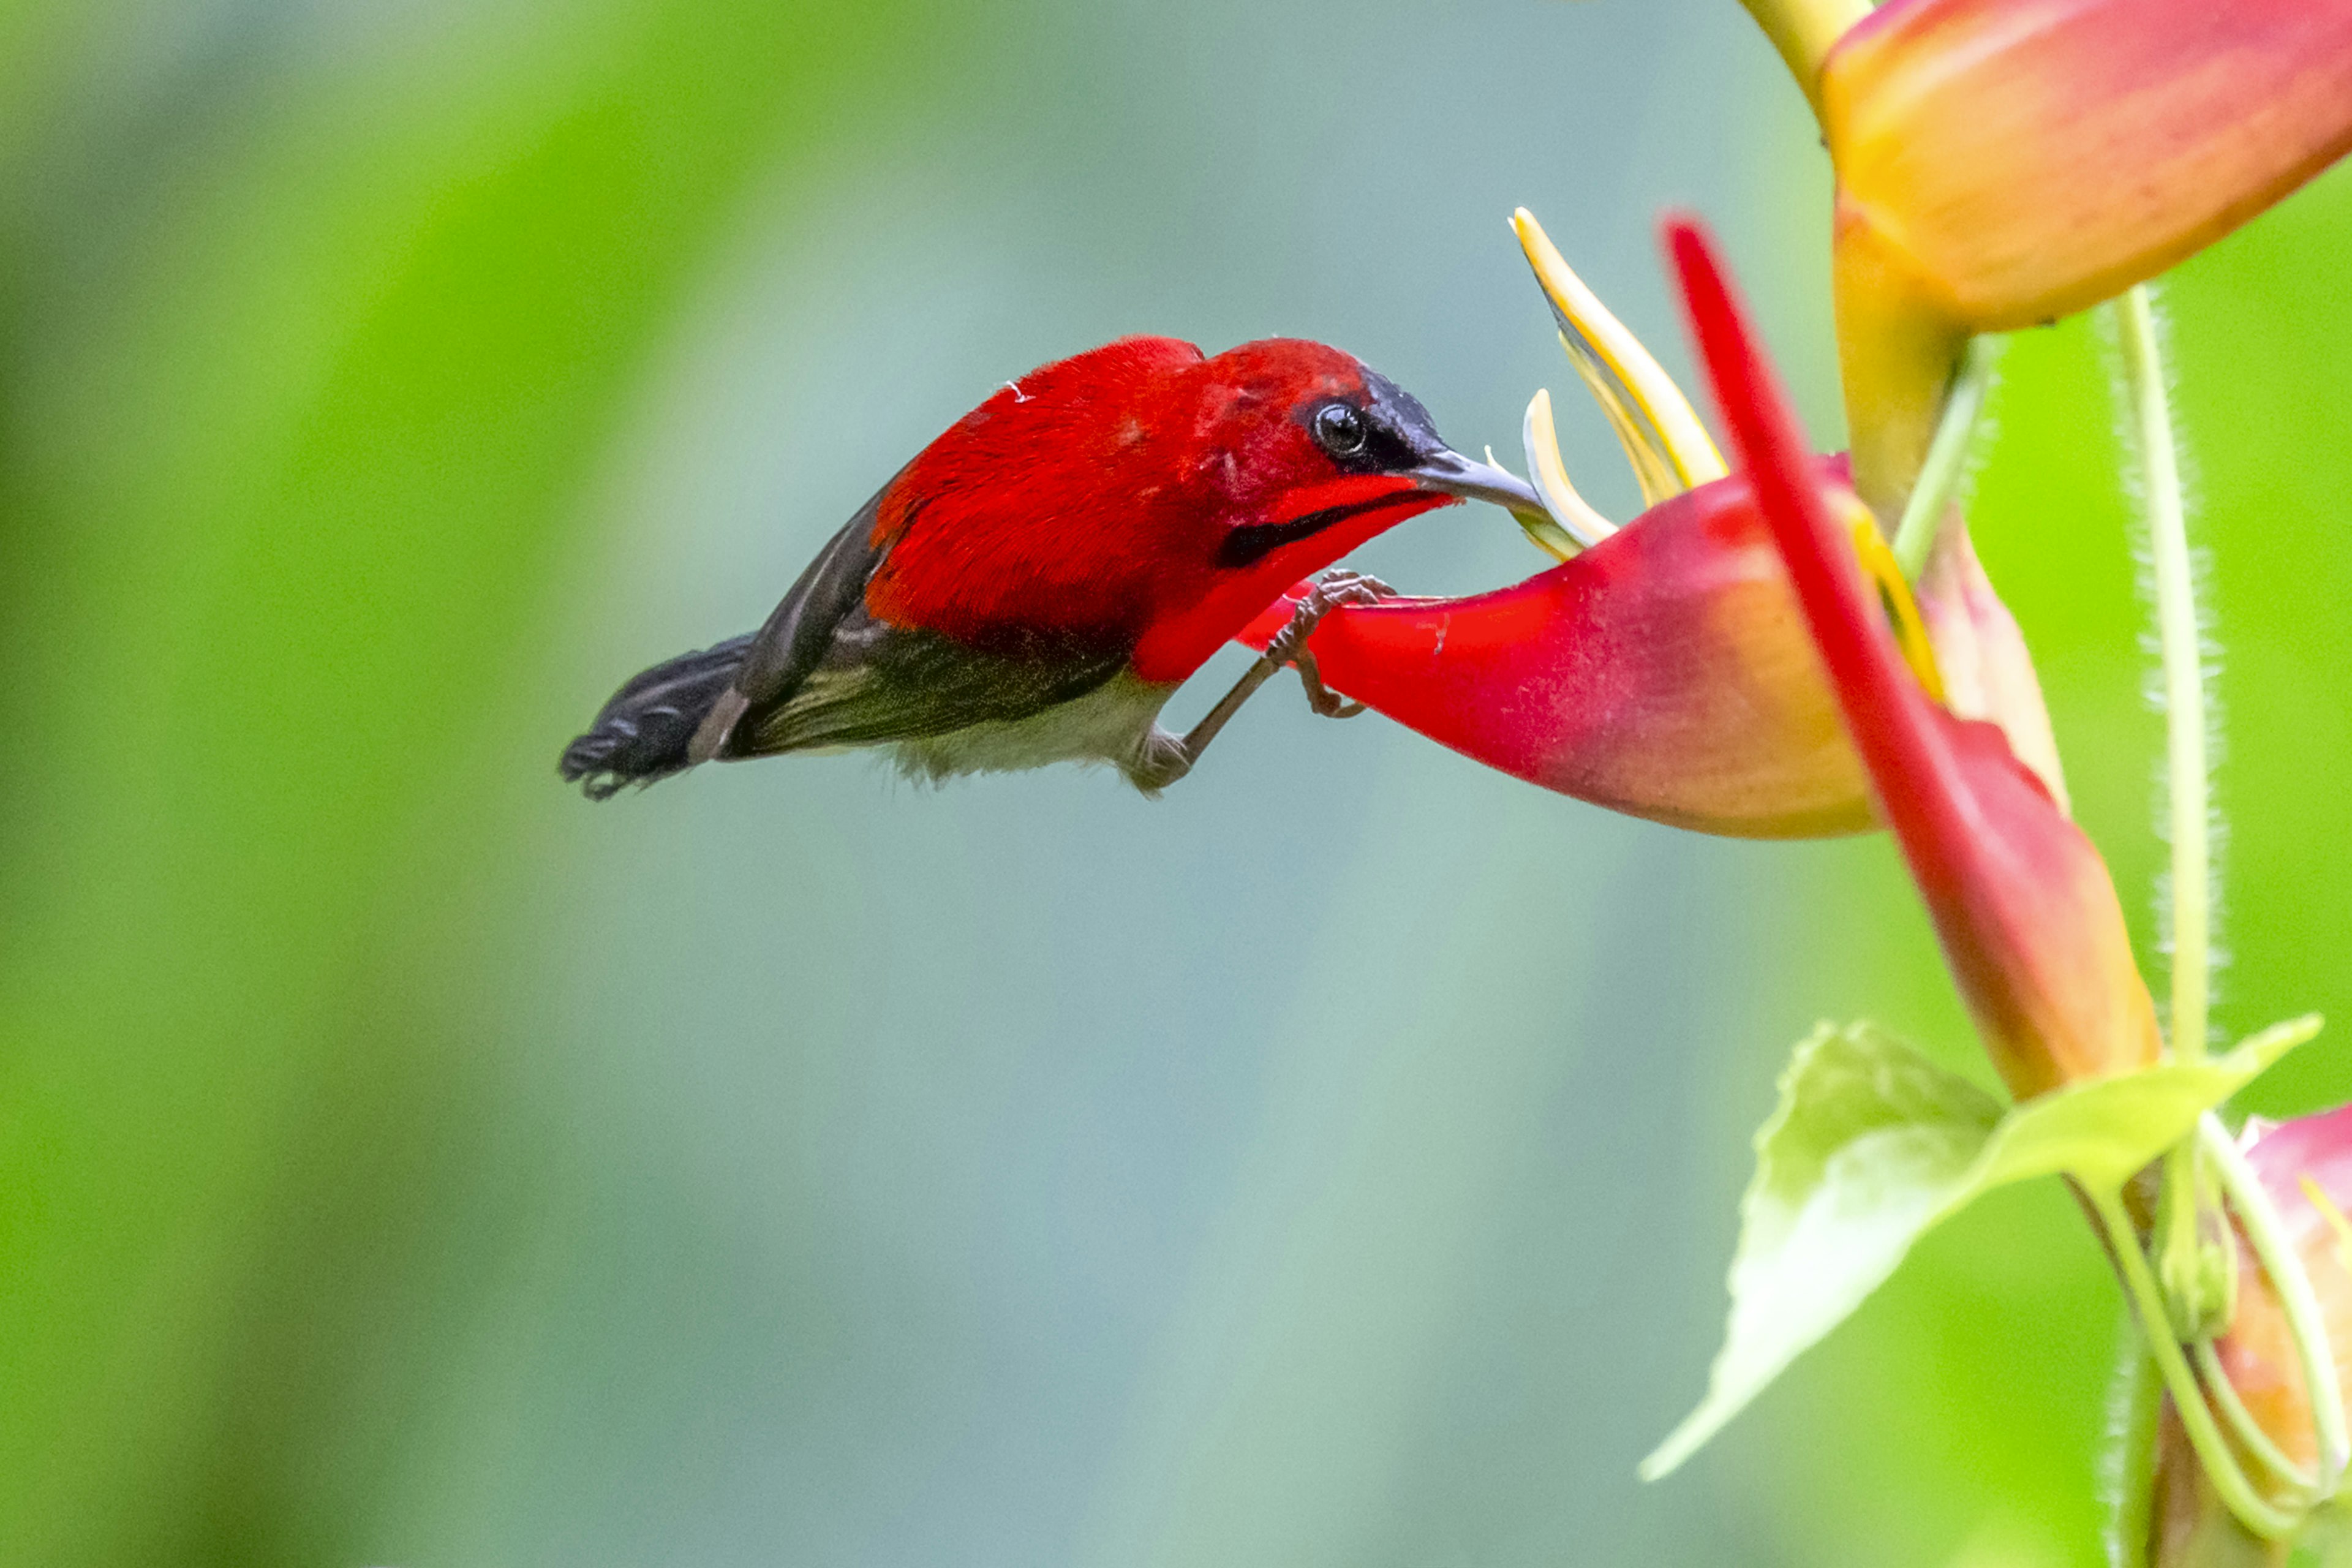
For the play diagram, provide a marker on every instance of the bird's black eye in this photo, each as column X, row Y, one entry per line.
column 1341, row 430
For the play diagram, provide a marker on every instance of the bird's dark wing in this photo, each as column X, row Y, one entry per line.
column 823, row 671
column 798, row 632
column 880, row 682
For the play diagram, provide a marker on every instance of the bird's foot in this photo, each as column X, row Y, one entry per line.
column 1163, row 758
column 1332, row 589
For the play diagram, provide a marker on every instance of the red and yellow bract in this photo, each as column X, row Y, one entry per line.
column 2003, row 163
column 2025, row 907
column 1663, row 673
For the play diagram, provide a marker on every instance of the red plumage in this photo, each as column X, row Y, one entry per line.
column 1037, row 581
column 1083, row 503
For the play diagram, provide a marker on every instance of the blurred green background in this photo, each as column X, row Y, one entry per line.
column 403, row 1162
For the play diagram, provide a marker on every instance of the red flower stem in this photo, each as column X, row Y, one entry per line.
column 1877, row 692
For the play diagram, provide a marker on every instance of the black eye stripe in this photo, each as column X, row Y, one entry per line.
column 1248, row 546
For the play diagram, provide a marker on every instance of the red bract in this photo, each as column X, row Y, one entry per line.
column 1663, row 673
column 2025, row 907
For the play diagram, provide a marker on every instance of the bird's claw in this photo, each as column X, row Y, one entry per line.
column 1319, row 697
column 1333, row 590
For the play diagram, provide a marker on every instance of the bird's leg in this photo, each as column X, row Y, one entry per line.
column 1171, row 760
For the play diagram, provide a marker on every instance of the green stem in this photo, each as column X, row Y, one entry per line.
column 2184, row 670
column 2237, row 1493
column 2242, row 1422
column 2183, row 654
column 1948, row 457
column 2267, row 1233
column 2134, row 1402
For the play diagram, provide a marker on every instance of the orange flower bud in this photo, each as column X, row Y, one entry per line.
column 2003, row 163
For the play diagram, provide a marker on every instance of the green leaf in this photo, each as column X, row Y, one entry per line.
column 1872, row 1145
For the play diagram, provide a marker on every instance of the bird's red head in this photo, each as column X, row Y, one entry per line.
column 1142, row 496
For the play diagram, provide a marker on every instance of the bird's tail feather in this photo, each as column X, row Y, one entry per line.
column 645, row 732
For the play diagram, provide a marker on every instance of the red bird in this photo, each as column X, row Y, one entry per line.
column 1038, row 582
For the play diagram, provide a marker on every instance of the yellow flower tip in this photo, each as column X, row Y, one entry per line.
column 1669, row 449
column 1548, row 474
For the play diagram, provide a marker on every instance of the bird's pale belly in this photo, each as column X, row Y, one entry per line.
column 1117, row 722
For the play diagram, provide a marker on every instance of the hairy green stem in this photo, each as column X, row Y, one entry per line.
column 2184, row 670
column 2267, row 1233
column 2187, row 1251
column 1948, row 457
column 2237, row 1493
column 2135, row 1404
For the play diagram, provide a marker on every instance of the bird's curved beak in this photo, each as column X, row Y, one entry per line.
column 1450, row 472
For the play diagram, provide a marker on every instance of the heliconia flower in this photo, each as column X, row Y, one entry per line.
column 1662, row 671
column 2023, row 905
column 2305, row 1167
column 2003, row 163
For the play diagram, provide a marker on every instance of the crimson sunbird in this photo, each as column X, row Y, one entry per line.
column 1037, row 582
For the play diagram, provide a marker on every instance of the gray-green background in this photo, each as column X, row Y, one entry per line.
column 403, row 1162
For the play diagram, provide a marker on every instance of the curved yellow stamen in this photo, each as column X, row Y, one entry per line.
column 1669, row 449
column 1878, row 565
column 1583, row 526
column 1653, row 468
